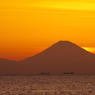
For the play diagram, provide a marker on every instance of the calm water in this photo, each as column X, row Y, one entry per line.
column 48, row 85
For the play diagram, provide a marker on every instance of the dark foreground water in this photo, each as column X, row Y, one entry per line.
column 48, row 85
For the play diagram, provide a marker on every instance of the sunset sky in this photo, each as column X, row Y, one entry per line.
column 27, row 27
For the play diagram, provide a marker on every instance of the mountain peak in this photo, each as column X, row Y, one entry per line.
column 63, row 42
column 67, row 44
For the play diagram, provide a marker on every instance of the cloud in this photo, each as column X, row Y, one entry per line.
column 64, row 5
column 71, row 5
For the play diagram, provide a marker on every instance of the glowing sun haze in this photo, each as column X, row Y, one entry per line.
column 29, row 26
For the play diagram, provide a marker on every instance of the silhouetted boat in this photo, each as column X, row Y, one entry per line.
column 44, row 73
column 68, row 72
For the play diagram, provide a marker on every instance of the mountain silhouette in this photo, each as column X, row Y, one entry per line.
column 7, row 66
column 63, row 56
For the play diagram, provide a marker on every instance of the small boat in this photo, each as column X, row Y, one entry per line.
column 44, row 73
column 68, row 72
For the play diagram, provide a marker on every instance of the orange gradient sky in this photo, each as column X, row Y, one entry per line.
column 27, row 27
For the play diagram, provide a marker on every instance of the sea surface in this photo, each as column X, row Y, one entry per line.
column 66, row 84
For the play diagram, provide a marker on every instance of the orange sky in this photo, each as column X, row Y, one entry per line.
column 30, row 26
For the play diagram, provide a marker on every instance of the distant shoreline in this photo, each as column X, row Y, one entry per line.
column 41, row 74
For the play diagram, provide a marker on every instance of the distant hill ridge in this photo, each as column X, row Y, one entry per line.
column 63, row 56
